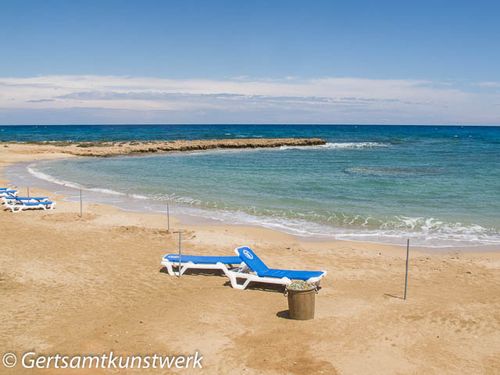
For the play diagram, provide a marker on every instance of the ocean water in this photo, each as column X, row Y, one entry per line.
column 439, row 186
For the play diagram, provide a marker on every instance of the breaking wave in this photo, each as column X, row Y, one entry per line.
column 423, row 231
column 74, row 185
column 339, row 145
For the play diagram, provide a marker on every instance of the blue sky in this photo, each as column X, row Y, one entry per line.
column 250, row 61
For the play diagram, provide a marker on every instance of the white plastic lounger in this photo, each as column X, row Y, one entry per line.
column 255, row 270
column 223, row 263
column 7, row 193
column 15, row 198
column 22, row 206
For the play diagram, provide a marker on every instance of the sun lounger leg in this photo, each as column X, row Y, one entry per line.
column 233, row 278
column 180, row 270
column 170, row 270
column 183, row 269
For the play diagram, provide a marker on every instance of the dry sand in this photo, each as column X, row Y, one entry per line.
column 90, row 285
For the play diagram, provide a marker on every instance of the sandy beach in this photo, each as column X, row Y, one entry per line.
column 92, row 284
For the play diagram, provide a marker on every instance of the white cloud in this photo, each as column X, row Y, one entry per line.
column 489, row 84
column 85, row 99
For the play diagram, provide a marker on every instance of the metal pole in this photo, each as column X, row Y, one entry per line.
column 180, row 252
column 168, row 218
column 81, row 204
column 407, row 258
column 28, row 191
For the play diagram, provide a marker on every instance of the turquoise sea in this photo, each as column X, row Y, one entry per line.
column 439, row 186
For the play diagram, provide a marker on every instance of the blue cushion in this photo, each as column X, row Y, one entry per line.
column 257, row 265
column 292, row 274
column 46, row 203
column 29, row 198
column 201, row 259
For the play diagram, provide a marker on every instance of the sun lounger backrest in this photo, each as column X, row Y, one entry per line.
column 252, row 260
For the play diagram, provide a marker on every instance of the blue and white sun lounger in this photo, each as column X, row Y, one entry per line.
column 255, row 270
column 14, row 198
column 23, row 205
column 223, row 263
column 7, row 192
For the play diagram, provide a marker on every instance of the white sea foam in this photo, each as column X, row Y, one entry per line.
column 43, row 176
column 423, row 231
column 434, row 233
column 46, row 177
column 105, row 191
column 338, row 145
column 139, row 196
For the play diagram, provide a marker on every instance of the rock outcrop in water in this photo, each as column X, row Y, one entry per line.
column 104, row 149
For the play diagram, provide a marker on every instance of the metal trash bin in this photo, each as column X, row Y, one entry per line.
column 301, row 300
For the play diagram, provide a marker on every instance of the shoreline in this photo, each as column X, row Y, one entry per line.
column 22, row 155
column 94, row 283
column 203, row 222
column 197, row 219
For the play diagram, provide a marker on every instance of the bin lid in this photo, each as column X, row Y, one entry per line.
column 300, row 285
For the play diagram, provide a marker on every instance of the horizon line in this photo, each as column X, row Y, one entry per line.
column 254, row 124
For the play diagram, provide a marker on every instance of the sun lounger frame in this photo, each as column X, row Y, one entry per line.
column 47, row 205
column 246, row 274
column 184, row 266
column 14, row 198
column 7, row 193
